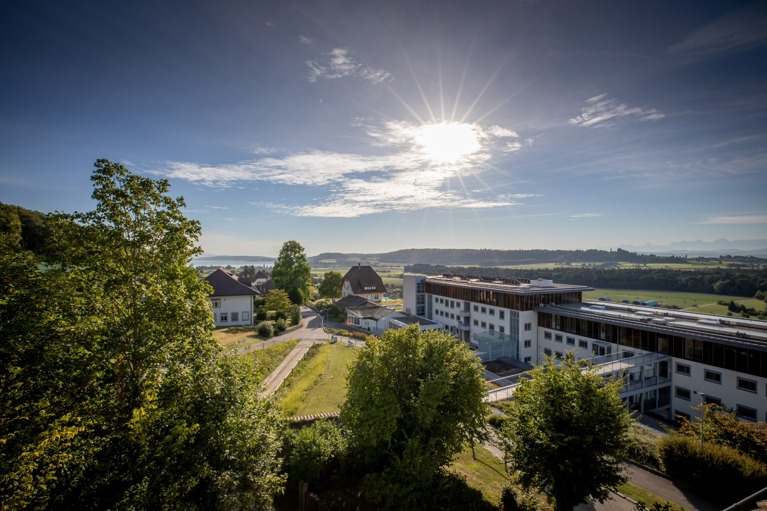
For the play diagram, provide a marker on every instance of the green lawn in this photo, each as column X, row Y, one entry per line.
column 644, row 496
column 485, row 474
column 699, row 302
column 318, row 384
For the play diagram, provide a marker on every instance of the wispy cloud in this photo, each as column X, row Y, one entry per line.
column 737, row 31
column 339, row 63
column 403, row 177
column 601, row 111
column 305, row 40
column 737, row 219
column 586, row 215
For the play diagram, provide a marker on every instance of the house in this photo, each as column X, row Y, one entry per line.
column 375, row 319
column 232, row 300
column 364, row 282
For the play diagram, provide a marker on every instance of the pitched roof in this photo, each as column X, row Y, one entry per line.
column 364, row 280
column 226, row 284
column 351, row 301
column 408, row 319
column 371, row 311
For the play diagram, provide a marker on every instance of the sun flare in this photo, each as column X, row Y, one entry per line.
column 447, row 142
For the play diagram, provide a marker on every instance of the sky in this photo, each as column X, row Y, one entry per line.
column 356, row 126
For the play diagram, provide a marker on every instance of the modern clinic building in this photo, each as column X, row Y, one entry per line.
column 671, row 360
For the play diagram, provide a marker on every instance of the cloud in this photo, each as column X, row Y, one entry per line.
column 305, row 40
column 338, row 63
column 601, row 111
column 737, row 219
column 737, row 31
column 586, row 215
column 401, row 177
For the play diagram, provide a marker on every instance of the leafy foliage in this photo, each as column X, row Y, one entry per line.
column 331, row 285
column 115, row 393
column 265, row 329
column 713, row 468
column 314, row 452
column 566, row 431
column 291, row 272
column 414, row 399
column 277, row 300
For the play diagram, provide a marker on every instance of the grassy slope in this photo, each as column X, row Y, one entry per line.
column 698, row 302
column 318, row 384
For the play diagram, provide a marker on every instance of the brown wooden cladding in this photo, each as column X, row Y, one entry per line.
column 497, row 298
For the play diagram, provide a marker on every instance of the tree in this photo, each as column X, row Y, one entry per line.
column 414, row 400
column 116, row 396
column 331, row 285
column 566, row 431
column 277, row 300
column 248, row 271
column 292, row 272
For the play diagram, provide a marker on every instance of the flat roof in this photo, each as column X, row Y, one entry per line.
column 733, row 331
column 511, row 286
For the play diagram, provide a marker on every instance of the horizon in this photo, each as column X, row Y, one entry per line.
column 517, row 125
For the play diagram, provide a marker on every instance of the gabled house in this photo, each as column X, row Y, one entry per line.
column 364, row 282
column 232, row 300
column 376, row 319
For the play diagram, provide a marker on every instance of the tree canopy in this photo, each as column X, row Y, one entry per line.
column 566, row 432
column 277, row 300
column 414, row 399
column 292, row 272
column 116, row 396
column 331, row 285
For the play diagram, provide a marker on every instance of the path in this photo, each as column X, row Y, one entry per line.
column 275, row 379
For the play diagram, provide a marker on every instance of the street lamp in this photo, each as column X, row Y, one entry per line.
column 702, row 415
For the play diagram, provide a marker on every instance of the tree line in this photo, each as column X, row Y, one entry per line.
column 721, row 281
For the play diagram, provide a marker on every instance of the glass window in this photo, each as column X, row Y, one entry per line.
column 547, row 335
column 683, row 369
column 476, row 308
column 501, row 329
column 484, row 310
column 583, row 344
column 682, row 393
column 547, row 352
column 745, row 412
column 501, row 314
column 527, row 360
column 492, row 312
column 235, row 316
column 224, row 317
column 528, row 327
column 476, row 322
column 712, row 376
column 528, row 343
column 747, row 385
column 492, row 327
column 571, row 341
column 216, row 303
column 559, row 354
column 484, row 325
column 558, row 337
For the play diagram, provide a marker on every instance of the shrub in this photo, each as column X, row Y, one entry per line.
column 712, row 468
column 642, row 448
column 261, row 315
column 313, row 453
column 280, row 325
column 265, row 329
column 295, row 315
column 496, row 421
column 280, row 315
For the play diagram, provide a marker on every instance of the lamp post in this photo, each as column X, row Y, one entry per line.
column 702, row 415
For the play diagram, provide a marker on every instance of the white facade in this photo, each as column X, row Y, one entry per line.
column 372, row 296
column 232, row 310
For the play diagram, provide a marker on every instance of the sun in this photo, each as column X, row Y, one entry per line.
column 447, row 142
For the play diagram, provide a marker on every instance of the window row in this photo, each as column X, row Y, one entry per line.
column 716, row 377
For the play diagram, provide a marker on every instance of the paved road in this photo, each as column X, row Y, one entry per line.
column 274, row 380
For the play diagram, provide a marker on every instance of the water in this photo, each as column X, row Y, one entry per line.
column 230, row 262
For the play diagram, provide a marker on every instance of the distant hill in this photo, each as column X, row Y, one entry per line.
column 488, row 257
column 248, row 259
column 698, row 248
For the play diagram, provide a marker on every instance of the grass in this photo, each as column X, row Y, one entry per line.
column 641, row 495
column 485, row 474
column 318, row 383
column 269, row 358
column 699, row 302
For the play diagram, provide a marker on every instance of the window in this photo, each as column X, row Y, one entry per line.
column 528, row 327
column 747, row 385
column 223, row 317
column 711, row 400
column 235, row 316
column 501, row 329
column 571, row 341
column 712, row 376
column 484, row 325
column 452, row 303
column 745, row 412
column 492, row 327
column 492, row 312
column 245, row 316
column 682, row 393
column 476, row 308
column 583, row 344
column 216, row 303
column 685, row 415
column 452, row 316
column 547, row 335
column 559, row 354
column 558, row 337
column 527, row 360
column 476, row 322
column 502, row 314
column 528, row 343
column 628, row 354
column 547, row 352
column 484, row 310
column 683, row 369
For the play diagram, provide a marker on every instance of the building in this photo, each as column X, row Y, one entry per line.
column 363, row 281
column 671, row 360
column 231, row 299
column 375, row 319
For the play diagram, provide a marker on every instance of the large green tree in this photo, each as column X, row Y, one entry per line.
column 414, row 400
column 566, row 432
column 292, row 272
column 331, row 285
column 115, row 395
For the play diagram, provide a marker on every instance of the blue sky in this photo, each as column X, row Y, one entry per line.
column 372, row 126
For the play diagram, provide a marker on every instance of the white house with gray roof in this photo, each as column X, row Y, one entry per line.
column 232, row 300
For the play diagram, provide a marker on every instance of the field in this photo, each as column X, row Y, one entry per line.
column 698, row 302
column 318, row 384
column 485, row 474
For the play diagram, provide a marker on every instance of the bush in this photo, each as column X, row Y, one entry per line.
column 642, row 448
column 314, row 453
column 713, row 468
column 265, row 329
column 261, row 315
column 496, row 421
column 280, row 325
column 280, row 315
column 295, row 315
column 517, row 500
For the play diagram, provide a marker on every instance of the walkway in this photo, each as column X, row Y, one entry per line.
column 274, row 380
